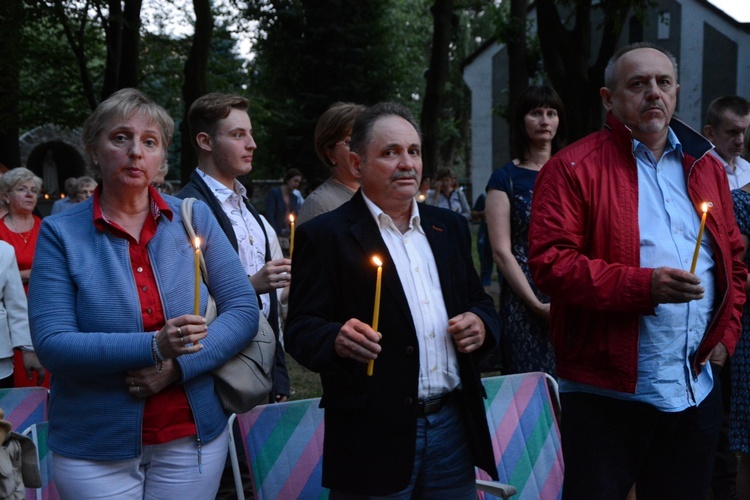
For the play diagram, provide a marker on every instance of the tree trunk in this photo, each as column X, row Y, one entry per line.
column 122, row 33
column 131, row 37
column 518, row 69
column 12, row 14
column 195, row 83
column 113, row 39
column 566, row 56
column 437, row 77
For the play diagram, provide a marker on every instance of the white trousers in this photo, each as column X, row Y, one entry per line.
column 163, row 471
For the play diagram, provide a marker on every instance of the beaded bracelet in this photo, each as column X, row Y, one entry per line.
column 158, row 358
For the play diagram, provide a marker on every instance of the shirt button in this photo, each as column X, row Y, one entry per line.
column 432, row 335
column 139, row 269
column 148, row 310
column 416, row 269
column 434, row 368
column 426, row 301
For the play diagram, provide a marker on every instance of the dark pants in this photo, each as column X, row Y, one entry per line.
column 724, row 480
column 609, row 444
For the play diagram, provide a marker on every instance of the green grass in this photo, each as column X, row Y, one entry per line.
column 304, row 383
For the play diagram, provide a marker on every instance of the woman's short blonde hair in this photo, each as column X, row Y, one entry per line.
column 124, row 104
column 14, row 178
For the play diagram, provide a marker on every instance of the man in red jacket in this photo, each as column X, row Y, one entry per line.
column 638, row 317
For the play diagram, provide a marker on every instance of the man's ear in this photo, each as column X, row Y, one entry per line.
column 355, row 165
column 708, row 132
column 606, row 98
column 204, row 142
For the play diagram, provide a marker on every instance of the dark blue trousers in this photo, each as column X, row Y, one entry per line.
column 610, row 444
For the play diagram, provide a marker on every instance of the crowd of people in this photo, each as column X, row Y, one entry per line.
column 614, row 279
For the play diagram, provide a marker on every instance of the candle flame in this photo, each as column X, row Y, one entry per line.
column 197, row 243
column 704, row 207
column 291, row 217
column 377, row 261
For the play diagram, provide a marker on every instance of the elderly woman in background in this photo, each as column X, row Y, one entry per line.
column 332, row 145
column 84, row 188
column 133, row 410
column 19, row 190
column 446, row 193
column 537, row 132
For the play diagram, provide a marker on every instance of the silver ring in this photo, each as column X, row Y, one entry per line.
column 179, row 331
column 182, row 341
column 138, row 389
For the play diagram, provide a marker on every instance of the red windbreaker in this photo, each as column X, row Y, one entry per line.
column 584, row 253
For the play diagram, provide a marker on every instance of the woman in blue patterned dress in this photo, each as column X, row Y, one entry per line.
column 739, row 424
column 537, row 132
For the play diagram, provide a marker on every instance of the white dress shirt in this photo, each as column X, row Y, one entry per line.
column 251, row 241
column 415, row 264
column 740, row 175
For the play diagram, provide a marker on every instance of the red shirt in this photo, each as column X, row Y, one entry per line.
column 24, row 245
column 167, row 415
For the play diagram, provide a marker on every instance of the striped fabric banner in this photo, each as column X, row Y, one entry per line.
column 284, row 446
column 525, row 436
column 24, row 406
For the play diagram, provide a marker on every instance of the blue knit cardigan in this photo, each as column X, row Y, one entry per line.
column 86, row 326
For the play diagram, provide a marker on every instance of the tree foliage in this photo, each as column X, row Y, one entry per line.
column 312, row 53
column 568, row 51
column 12, row 20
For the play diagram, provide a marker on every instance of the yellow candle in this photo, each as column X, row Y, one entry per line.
column 197, row 303
column 291, row 235
column 700, row 237
column 376, row 308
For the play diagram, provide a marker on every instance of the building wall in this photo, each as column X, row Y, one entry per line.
column 713, row 54
column 481, row 76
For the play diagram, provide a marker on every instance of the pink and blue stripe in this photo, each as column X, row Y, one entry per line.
column 284, row 444
column 525, row 436
column 24, row 406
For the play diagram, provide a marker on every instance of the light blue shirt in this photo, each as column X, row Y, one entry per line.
column 668, row 340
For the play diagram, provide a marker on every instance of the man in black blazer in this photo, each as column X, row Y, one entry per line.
column 221, row 133
column 417, row 425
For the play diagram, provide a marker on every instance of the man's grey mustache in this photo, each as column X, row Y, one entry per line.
column 404, row 174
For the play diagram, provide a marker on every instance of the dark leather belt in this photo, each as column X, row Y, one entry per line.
column 433, row 405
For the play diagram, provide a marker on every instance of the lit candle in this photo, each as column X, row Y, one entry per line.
column 291, row 235
column 700, row 237
column 376, row 309
column 197, row 303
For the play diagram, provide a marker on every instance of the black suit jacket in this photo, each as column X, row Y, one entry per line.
column 197, row 188
column 371, row 421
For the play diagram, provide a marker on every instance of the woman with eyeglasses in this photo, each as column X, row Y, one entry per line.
column 332, row 145
column 19, row 191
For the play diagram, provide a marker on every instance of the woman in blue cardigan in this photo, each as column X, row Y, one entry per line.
column 133, row 412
